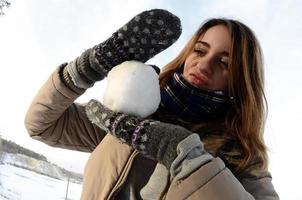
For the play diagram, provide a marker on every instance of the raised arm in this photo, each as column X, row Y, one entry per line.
column 56, row 120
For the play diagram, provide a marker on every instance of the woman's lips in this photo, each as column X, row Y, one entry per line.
column 198, row 80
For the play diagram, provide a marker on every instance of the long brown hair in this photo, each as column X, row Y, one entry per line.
column 245, row 121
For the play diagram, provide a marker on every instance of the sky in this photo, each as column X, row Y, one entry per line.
column 36, row 36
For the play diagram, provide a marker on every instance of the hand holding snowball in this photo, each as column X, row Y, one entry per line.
column 132, row 94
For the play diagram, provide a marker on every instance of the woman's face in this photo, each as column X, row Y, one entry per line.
column 206, row 66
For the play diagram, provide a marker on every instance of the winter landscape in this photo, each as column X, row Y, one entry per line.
column 18, row 183
column 28, row 178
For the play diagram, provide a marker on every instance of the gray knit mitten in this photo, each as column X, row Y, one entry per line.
column 144, row 36
column 153, row 139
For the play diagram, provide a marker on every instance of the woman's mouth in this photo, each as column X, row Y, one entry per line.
column 198, row 80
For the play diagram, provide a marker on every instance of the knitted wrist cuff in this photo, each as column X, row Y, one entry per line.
column 66, row 79
column 76, row 78
column 85, row 69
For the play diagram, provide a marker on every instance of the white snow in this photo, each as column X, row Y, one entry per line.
column 32, row 164
column 17, row 183
column 132, row 88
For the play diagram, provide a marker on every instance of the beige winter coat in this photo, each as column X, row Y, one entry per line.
column 55, row 119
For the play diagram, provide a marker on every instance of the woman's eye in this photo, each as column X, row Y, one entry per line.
column 224, row 62
column 200, row 52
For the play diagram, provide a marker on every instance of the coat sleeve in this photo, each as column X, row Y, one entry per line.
column 214, row 181
column 56, row 120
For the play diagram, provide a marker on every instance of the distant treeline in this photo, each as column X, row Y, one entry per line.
column 11, row 147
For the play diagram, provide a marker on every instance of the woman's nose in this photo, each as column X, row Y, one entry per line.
column 205, row 66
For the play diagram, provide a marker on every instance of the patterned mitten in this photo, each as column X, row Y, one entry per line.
column 153, row 139
column 144, row 36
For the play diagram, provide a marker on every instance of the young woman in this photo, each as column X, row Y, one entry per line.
column 205, row 141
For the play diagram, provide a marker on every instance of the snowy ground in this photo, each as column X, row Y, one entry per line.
column 17, row 183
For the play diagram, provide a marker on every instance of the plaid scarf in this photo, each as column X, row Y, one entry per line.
column 182, row 102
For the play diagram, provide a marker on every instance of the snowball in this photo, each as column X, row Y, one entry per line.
column 132, row 88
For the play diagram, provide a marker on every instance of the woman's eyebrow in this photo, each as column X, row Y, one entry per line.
column 225, row 53
column 204, row 43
